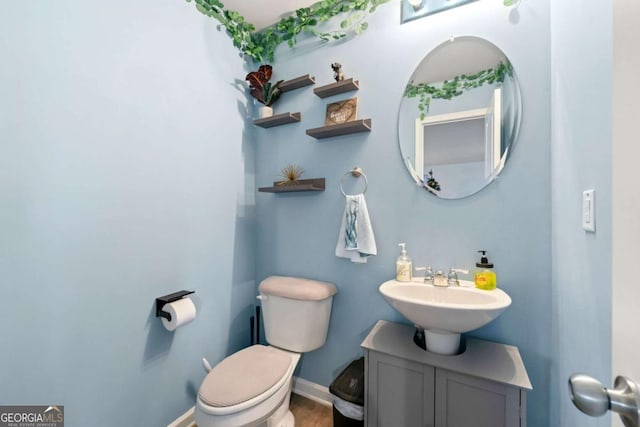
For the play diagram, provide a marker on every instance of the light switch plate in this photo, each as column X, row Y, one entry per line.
column 589, row 210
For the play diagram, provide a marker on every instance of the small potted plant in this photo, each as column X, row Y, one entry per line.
column 263, row 90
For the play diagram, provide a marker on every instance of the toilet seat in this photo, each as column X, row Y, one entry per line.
column 245, row 379
column 244, row 375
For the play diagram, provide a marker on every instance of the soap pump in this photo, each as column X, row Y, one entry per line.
column 404, row 266
column 484, row 277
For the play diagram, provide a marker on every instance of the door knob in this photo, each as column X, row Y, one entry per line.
column 592, row 398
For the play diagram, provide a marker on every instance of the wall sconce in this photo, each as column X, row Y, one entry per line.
column 414, row 9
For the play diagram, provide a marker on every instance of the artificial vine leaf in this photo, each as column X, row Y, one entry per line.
column 456, row 86
column 202, row 9
column 262, row 45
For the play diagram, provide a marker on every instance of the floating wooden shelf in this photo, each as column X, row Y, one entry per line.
column 297, row 83
column 337, row 88
column 315, row 184
column 356, row 126
column 277, row 120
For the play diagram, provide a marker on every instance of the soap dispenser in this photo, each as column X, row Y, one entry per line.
column 404, row 266
column 484, row 277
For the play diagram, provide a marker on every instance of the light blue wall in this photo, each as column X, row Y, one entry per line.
column 126, row 173
column 581, row 41
column 297, row 233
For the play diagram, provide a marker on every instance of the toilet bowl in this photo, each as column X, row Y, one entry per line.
column 243, row 390
column 253, row 386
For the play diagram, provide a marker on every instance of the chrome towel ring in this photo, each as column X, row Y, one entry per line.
column 355, row 172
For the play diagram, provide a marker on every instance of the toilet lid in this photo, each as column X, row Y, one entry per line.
column 244, row 375
column 297, row 288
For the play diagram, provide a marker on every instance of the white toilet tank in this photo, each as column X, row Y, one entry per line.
column 296, row 312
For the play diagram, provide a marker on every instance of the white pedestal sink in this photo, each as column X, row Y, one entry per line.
column 445, row 312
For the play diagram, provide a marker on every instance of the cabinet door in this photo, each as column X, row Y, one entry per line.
column 463, row 401
column 399, row 393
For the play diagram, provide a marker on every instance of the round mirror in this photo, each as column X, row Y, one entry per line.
column 459, row 117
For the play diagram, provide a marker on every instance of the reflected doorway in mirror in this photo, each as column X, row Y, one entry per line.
column 463, row 147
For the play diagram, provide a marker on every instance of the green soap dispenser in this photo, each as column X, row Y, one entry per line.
column 404, row 266
column 484, row 277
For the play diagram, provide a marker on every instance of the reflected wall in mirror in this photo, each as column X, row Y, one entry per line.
column 459, row 117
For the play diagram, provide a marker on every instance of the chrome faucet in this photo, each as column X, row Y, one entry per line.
column 439, row 278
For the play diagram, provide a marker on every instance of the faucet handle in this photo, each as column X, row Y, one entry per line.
column 428, row 274
column 452, row 277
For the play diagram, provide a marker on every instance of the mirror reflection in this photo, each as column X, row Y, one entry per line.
column 459, row 117
column 414, row 9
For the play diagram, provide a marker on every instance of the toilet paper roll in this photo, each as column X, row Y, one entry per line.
column 182, row 312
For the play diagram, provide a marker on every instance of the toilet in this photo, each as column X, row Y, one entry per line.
column 252, row 387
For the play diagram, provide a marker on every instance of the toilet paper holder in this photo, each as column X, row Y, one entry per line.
column 166, row 299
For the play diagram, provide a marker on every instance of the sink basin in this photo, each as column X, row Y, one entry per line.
column 445, row 312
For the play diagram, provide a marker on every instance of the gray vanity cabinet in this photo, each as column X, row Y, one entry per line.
column 406, row 386
column 462, row 400
column 395, row 392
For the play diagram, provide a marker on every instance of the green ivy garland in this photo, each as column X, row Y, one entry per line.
column 456, row 86
column 261, row 45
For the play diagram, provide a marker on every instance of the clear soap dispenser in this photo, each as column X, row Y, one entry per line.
column 485, row 278
column 404, row 266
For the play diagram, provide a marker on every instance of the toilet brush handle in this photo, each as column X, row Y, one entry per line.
column 252, row 326
column 257, row 324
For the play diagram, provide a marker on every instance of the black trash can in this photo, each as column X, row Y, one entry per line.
column 347, row 394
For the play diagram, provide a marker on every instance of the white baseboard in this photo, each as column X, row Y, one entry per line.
column 313, row 391
column 185, row 420
column 304, row 388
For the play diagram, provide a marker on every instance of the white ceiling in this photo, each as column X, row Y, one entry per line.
column 263, row 13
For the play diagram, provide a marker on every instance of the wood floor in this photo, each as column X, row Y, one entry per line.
column 309, row 413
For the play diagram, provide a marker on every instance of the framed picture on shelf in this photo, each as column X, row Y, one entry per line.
column 341, row 112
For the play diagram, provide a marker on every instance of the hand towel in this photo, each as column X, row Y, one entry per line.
column 355, row 238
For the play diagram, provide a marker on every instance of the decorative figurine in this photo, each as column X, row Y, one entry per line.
column 337, row 71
